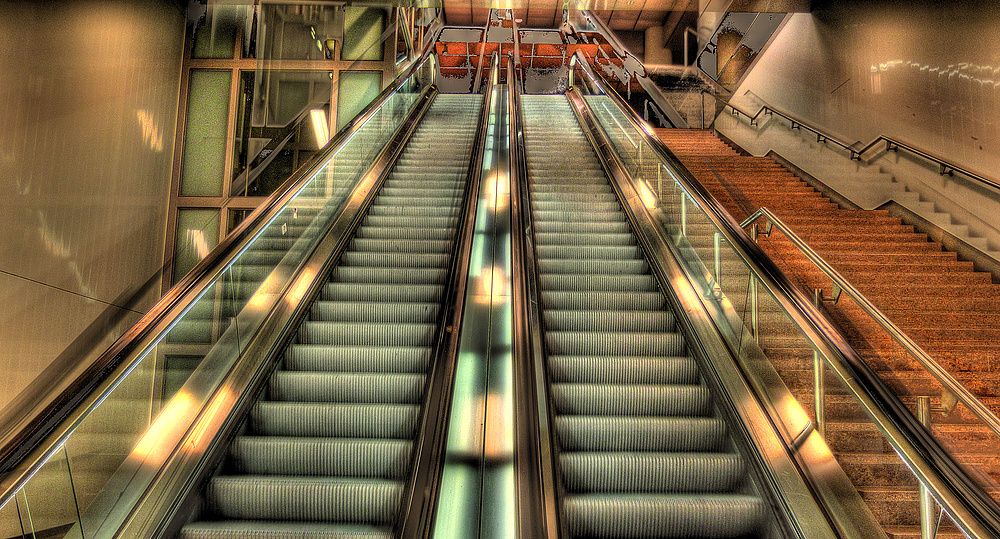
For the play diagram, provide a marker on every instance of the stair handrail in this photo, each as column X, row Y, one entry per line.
column 842, row 285
column 26, row 429
column 946, row 167
column 966, row 502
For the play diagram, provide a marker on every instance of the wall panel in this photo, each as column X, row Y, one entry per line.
column 89, row 97
column 925, row 72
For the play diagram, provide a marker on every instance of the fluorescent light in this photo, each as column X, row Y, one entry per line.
column 320, row 127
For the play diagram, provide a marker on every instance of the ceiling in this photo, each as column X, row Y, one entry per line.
column 619, row 14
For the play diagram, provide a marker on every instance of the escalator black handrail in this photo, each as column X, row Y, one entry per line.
column 538, row 514
column 416, row 519
column 25, row 429
column 969, row 506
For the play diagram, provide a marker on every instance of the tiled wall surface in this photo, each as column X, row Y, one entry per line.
column 88, row 104
column 925, row 72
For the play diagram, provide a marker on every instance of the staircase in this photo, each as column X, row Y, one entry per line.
column 327, row 450
column 938, row 300
column 641, row 451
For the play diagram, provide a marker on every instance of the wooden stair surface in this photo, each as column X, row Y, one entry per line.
column 949, row 309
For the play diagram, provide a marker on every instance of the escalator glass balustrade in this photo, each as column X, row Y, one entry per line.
column 328, row 449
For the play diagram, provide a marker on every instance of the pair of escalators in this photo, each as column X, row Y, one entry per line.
column 341, row 440
column 327, row 450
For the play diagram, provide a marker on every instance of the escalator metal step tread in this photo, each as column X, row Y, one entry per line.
column 335, row 420
column 664, row 515
column 370, row 311
column 311, row 386
column 327, row 451
column 321, row 357
column 337, row 457
column 623, row 369
column 250, row 529
column 304, row 498
column 651, row 472
column 641, row 452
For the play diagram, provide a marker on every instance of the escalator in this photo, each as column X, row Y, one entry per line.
column 327, row 450
column 642, row 450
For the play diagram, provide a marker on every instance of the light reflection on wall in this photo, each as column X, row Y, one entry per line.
column 926, row 74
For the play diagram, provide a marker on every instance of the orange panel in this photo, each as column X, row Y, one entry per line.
column 549, row 50
column 453, row 61
column 457, row 48
column 546, row 63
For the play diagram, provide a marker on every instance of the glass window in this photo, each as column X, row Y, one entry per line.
column 357, row 89
column 363, row 29
column 216, row 31
column 197, row 234
column 205, row 133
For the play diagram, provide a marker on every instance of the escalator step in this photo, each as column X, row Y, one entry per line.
column 609, row 321
column 321, row 357
column 300, row 386
column 664, row 515
column 645, row 301
column 623, row 370
column 626, row 344
column 346, row 333
column 631, row 400
column 336, row 457
column 334, row 420
column 249, row 529
column 651, row 472
column 357, row 274
column 304, row 498
column 385, row 292
column 608, row 433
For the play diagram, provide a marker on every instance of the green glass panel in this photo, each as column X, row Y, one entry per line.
column 205, row 139
column 197, row 234
column 362, row 29
column 216, row 33
column 356, row 90
column 293, row 96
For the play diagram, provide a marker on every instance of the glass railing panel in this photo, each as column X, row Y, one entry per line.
column 770, row 343
column 135, row 421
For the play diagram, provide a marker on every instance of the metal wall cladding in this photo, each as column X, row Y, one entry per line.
column 89, row 107
column 927, row 73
